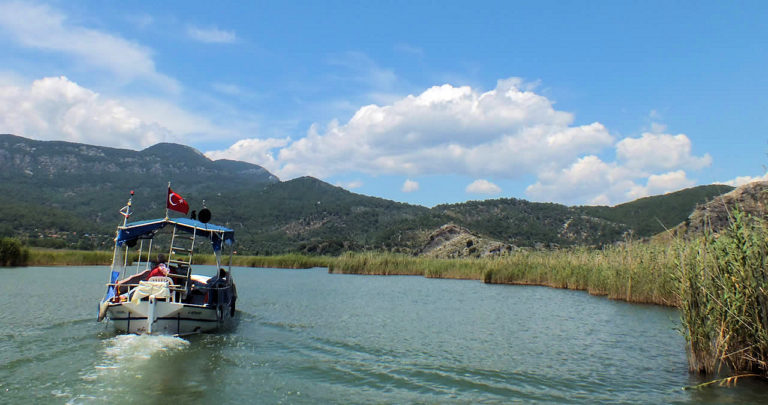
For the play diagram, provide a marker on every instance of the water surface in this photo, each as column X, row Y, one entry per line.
column 306, row 336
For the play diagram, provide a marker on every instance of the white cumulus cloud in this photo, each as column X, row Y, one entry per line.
column 410, row 186
column 662, row 184
column 55, row 108
column 482, row 186
column 254, row 150
column 588, row 179
column 506, row 132
column 742, row 180
column 654, row 163
column 592, row 181
column 653, row 151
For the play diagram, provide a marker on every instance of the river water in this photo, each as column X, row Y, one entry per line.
column 306, row 336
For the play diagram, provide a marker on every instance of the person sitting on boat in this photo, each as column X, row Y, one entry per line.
column 161, row 269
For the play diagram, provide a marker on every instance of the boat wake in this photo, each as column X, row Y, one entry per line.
column 128, row 350
column 128, row 362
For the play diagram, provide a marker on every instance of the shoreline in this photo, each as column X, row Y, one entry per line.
column 524, row 283
column 605, row 272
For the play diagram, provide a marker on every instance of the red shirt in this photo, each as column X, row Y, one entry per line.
column 159, row 271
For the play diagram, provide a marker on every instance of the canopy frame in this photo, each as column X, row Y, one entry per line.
column 218, row 235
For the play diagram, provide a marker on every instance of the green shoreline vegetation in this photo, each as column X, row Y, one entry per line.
column 719, row 282
column 634, row 272
column 13, row 253
column 724, row 298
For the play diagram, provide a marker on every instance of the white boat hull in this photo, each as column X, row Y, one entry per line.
column 168, row 318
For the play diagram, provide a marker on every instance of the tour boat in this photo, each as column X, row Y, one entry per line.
column 179, row 302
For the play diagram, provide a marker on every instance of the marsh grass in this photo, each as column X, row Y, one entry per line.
column 286, row 261
column 634, row 272
column 56, row 257
column 63, row 257
column 724, row 300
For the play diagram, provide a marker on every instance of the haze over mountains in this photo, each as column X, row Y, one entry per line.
column 64, row 194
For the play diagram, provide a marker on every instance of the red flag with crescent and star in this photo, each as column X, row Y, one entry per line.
column 176, row 202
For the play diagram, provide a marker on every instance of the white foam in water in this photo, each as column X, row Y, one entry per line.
column 127, row 352
column 138, row 347
column 126, row 362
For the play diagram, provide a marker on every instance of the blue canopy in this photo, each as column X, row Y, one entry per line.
column 147, row 229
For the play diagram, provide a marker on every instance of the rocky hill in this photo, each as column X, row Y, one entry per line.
column 717, row 214
column 525, row 223
column 452, row 241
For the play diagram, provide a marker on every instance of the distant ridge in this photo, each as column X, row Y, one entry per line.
column 64, row 194
column 648, row 216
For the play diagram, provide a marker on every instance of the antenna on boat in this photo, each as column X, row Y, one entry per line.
column 127, row 211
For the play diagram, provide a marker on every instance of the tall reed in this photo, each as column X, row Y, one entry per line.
column 64, row 257
column 724, row 298
column 55, row 257
column 634, row 272
column 288, row 261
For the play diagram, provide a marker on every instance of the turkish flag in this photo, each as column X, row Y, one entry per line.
column 176, row 202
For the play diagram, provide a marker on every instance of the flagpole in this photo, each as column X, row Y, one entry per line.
column 167, row 194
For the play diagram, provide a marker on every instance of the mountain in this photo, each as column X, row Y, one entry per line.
column 54, row 193
column 48, row 188
column 64, row 194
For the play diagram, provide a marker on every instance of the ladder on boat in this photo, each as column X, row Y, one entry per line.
column 180, row 255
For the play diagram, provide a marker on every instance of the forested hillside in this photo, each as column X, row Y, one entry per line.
column 63, row 194
column 651, row 215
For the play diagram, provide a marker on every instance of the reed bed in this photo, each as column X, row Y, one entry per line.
column 286, row 261
column 67, row 257
column 55, row 257
column 634, row 272
column 64, row 257
column 723, row 298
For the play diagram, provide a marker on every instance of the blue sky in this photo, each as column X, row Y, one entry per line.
column 420, row 102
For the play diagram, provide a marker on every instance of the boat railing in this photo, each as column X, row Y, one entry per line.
column 175, row 287
column 172, row 287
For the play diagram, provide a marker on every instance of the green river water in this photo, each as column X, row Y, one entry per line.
column 306, row 336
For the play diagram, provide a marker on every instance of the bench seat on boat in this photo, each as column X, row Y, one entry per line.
column 160, row 289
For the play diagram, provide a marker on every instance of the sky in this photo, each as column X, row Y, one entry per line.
column 425, row 102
